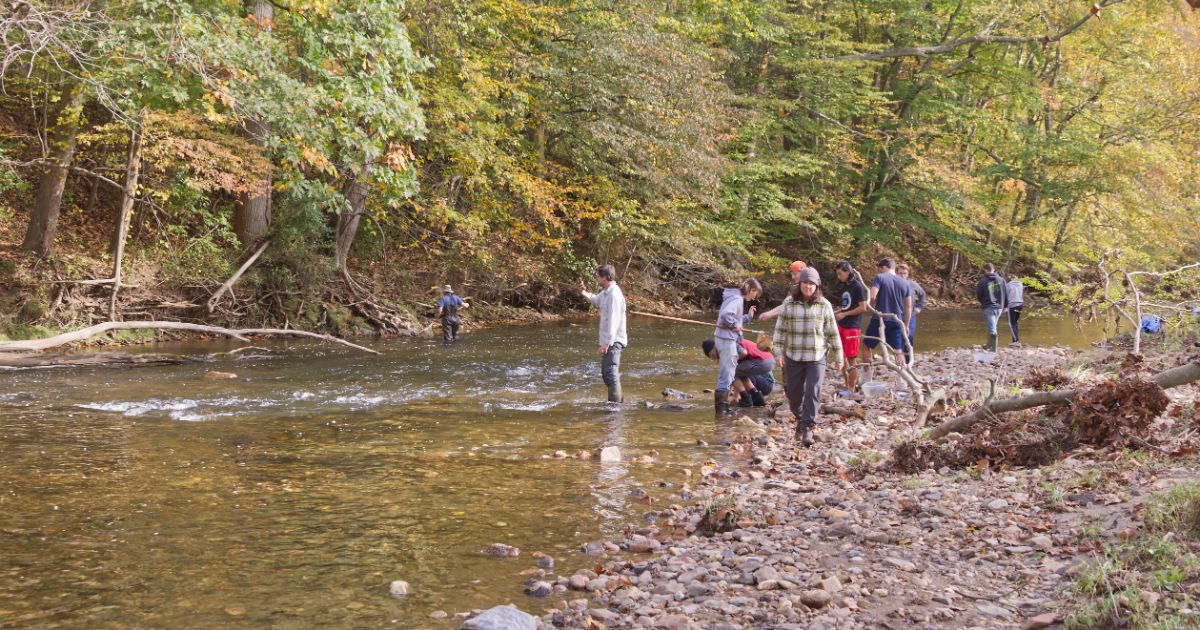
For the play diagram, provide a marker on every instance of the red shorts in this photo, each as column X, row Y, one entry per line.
column 850, row 338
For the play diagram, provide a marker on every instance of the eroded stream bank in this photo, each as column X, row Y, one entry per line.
column 295, row 493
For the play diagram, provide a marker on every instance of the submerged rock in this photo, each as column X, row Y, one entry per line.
column 502, row 618
column 501, row 550
column 610, row 454
column 398, row 588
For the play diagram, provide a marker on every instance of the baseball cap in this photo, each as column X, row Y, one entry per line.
column 796, row 266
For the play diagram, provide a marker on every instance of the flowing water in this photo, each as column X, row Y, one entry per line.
column 293, row 495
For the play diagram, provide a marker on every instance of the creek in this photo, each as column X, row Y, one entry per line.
column 293, row 495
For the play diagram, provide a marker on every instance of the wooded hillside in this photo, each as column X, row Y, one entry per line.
column 386, row 146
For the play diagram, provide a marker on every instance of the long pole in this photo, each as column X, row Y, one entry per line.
column 688, row 321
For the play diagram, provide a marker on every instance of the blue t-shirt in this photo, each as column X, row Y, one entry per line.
column 892, row 291
column 449, row 299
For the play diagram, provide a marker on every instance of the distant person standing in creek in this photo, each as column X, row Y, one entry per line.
column 613, row 338
column 1015, row 292
column 447, row 311
column 805, row 333
column 992, row 296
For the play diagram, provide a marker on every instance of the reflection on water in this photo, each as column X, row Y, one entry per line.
column 293, row 495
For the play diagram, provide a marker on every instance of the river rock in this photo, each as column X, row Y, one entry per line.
column 577, row 582
column 501, row 550
column 502, row 618
column 546, row 562
column 539, row 589
column 816, row 598
column 610, row 454
column 215, row 375
column 398, row 588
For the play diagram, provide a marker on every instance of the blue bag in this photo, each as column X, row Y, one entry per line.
column 1152, row 324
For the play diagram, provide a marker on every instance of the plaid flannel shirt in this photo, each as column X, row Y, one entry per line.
column 807, row 332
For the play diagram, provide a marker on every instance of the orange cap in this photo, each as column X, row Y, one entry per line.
column 796, row 266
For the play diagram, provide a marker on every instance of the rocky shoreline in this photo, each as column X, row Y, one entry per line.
column 835, row 537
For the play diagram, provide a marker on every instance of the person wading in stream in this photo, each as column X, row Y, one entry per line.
column 993, row 299
column 728, row 336
column 447, row 310
column 1015, row 292
column 611, row 302
column 805, row 333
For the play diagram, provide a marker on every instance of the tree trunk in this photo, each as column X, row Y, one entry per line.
column 252, row 217
column 133, row 168
column 43, row 219
column 347, row 225
column 1062, row 228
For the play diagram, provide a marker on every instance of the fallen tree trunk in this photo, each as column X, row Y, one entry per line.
column 1173, row 377
column 91, row 359
column 92, row 331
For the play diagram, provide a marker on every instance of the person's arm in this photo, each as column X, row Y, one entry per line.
column 832, row 339
column 779, row 338
column 587, row 295
column 873, row 294
column 908, row 310
column 463, row 303
column 438, row 314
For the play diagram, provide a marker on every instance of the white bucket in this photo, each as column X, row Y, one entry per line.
column 875, row 389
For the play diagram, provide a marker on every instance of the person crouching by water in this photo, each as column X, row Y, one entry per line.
column 805, row 333
column 611, row 302
column 754, row 365
column 728, row 336
column 447, row 311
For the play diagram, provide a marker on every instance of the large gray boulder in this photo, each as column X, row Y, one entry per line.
column 502, row 618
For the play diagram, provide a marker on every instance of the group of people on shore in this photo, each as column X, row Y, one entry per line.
column 809, row 332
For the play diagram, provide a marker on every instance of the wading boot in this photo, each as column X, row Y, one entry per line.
column 744, row 401
column 993, row 342
column 806, row 436
column 756, row 399
column 614, row 394
column 721, row 402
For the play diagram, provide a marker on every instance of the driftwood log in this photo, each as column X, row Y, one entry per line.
column 1174, row 377
column 239, row 334
column 91, row 359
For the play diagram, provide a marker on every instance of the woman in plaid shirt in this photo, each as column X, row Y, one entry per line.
column 804, row 333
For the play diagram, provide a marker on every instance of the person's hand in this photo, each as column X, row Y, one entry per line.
column 753, row 310
column 838, row 315
column 604, row 349
column 763, row 317
column 582, row 286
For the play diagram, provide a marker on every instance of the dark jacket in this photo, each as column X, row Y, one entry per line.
column 990, row 291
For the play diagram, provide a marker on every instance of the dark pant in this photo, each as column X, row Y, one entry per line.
column 803, row 388
column 610, row 365
column 450, row 329
column 1014, row 314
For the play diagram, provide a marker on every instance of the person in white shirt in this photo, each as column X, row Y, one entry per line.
column 1015, row 291
column 611, row 302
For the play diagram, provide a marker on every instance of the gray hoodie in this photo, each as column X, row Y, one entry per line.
column 730, row 315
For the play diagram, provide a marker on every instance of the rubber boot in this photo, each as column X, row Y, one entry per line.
column 721, row 402
column 993, row 342
column 756, row 398
column 806, row 436
column 615, row 395
column 744, row 400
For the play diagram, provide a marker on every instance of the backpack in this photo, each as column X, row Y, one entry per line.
column 1152, row 324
